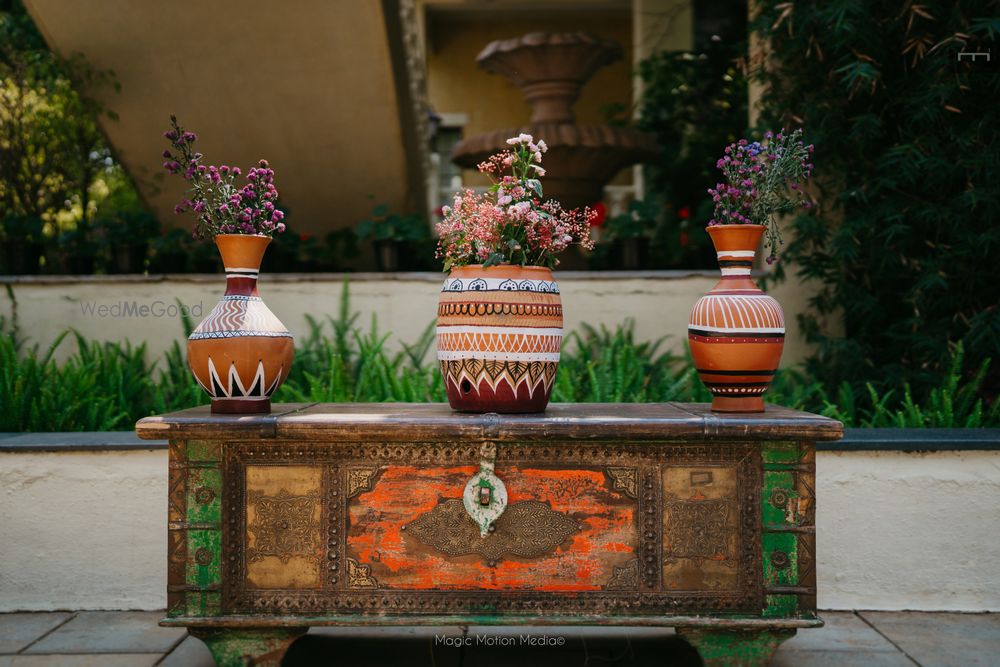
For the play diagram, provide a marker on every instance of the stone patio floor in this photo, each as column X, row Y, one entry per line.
column 869, row 639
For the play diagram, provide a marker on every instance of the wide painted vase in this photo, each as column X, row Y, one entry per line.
column 241, row 353
column 736, row 332
column 499, row 330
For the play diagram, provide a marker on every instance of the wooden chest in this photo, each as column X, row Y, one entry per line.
column 656, row 514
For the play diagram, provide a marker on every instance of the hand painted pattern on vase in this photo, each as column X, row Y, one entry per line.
column 241, row 353
column 499, row 332
column 736, row 332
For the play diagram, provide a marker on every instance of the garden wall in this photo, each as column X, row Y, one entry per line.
column 143, row 308
column 84, row 524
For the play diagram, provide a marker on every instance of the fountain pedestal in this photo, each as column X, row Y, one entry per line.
column 551, row 69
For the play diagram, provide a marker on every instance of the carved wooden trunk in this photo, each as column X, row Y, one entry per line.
column 625, row 514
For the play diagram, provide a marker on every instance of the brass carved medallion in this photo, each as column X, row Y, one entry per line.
column 283, row 526
column 625, row 480
column 360, row 480
column 527, row 529
column 360, row 576
column 625, row 578
column 697, row 529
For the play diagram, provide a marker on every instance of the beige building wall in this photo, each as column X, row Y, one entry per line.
column 307, row 85
column 456, row 84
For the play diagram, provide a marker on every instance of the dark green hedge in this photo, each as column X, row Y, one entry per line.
column 908, row 163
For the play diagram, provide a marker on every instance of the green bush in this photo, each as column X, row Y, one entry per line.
column 908, row 164
column 107, row 386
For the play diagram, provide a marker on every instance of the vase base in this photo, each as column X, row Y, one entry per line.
column 500, row 399
column 737, row 404
column 241, row 406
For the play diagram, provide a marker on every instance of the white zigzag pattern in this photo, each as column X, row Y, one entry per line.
column 518, row 343
column 236, row 315
column 234, row 382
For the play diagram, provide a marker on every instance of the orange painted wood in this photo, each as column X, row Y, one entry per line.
column 583, row 562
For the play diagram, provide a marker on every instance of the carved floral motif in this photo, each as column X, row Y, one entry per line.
column 625, row 480
column 625, row 578
column 360, row 480
column 697, row 529
column 527, row 529
column 360, row 576
column 283, row 526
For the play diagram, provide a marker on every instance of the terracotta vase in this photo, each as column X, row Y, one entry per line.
column 736, row 332
column 499, row 330
column 241, row 353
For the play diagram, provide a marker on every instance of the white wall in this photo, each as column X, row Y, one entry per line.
column 895, row 530
column 909, row 531
column 405, row 304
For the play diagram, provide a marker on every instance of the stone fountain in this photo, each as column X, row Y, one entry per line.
column 550, row 69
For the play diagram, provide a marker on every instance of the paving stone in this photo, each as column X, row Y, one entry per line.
column 88, row 660
column 943, row 640
column 844, row 631
column 19, row 630
column 111, row 632
column 785, row 658
column 191, row 652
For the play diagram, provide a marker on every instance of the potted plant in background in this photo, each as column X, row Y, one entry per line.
column 630, row 233
column 736, row 332
column 23, row 242
column 499, row 326
column 390, row 232
column 169, row 252
column 241, row 353
column 127, row 235
column 77, row 251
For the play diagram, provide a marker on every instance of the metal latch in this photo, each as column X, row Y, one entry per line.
column 485, row 496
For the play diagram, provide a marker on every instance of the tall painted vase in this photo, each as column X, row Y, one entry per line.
column 736, row 332
column 241, row 353
column 499, row 331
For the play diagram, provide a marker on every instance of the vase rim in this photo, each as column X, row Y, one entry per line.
column 250, row 236
column 727, row 225
column 529, row 267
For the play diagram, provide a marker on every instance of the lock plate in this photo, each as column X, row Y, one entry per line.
column 485, row 495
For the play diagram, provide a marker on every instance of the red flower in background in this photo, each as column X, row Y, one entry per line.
column 601, row 214
column 684, row 213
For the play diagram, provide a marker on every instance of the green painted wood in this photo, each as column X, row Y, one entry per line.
column 203, row 450
column 741, row 648
column 204, row 496
column 202, row 604
column 238, row 648
column 204, row 564
column 779, row 452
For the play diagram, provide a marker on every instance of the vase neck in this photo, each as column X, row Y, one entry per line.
column 735, row 247
column 240, row 283
column 241, row 255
